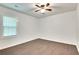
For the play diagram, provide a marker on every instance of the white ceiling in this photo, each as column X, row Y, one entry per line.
column 29, row 8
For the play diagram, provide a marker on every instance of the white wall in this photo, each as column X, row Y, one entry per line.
column 77, row 26
column 26, row 31
column 60, row 27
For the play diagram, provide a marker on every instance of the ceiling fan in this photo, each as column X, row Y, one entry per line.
column 43, row 7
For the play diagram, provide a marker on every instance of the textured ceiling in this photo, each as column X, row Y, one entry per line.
column 29, row 8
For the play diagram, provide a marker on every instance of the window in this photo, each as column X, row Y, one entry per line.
column 9, row 26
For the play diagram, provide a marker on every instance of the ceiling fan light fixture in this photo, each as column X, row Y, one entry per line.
column 43, row 7
column 42, row 10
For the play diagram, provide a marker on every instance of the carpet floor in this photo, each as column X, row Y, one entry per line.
column 41, row 47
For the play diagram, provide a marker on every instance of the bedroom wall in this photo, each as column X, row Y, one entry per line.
column 0, row 27
column 60, row 27
column 77, row 26
column 26, row 31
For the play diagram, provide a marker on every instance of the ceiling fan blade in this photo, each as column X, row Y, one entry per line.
column 42, row 5
column 37, row 6
column 47, row 4
column 37, row 10
column 49, row 9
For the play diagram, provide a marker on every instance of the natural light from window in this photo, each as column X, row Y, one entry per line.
column 9, row 26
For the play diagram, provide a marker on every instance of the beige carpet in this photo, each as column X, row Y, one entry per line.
column 41, row 47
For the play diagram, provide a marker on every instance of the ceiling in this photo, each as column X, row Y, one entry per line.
column 29, row 8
